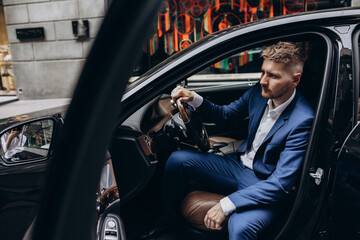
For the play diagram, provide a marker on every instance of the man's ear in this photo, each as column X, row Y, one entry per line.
column 296, row 79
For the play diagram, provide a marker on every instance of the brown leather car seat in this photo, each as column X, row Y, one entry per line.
column 197, row 203
column 195, row 206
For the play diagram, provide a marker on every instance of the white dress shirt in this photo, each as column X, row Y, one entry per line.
column 268, row 120
column 15, row 146
column 17, row 141
column 196, row 102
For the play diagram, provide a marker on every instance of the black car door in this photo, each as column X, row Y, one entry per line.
column 345, row 194
column 23, row 172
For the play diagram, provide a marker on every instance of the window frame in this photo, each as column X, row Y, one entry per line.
column 356, row 73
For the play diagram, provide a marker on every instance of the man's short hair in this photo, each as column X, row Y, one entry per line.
column 285, row 52
column 18, row 128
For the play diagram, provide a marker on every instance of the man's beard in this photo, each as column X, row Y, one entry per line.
column 266, row 93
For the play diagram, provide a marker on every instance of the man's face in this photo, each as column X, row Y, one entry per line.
column 15, row 132
column 277, row 81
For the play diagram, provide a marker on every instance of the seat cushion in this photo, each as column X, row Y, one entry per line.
column 195, row 206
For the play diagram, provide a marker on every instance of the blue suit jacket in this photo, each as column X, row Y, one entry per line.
column 279, row 159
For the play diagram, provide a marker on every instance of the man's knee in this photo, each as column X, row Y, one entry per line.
column 244, row 229
column 174, row 160
column 178, row 159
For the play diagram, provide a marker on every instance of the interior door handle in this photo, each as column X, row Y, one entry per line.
column 318, row 176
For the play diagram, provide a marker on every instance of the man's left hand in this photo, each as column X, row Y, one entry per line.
column 215, row 217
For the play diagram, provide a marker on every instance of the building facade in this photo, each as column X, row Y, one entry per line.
column 48, row 66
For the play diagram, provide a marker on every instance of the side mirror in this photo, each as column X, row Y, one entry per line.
column 27, row 141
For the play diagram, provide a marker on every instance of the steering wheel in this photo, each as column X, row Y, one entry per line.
column 195, row 127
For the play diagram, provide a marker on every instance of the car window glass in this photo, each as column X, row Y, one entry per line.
column 239, row 68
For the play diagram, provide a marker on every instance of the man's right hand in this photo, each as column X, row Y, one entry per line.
column 183, row 94
column 14, row 133
column 215, row 217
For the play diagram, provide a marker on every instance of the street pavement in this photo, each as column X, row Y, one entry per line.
column 11, row 106
column 7, row 99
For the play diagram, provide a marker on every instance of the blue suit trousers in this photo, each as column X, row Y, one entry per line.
column 219, row 174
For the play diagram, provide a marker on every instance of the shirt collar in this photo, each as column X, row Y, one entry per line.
column 277, row 111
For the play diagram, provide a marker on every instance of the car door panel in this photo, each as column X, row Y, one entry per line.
column 22, row 182
column 346, row 192
column 138, row 164
column 20, row 188
column 345, row 204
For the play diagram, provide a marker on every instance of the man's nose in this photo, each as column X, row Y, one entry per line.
column 264, row 80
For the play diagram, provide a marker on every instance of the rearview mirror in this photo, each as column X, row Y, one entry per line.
column 27, row 141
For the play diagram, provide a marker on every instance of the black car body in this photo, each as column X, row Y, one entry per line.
column 136, row 130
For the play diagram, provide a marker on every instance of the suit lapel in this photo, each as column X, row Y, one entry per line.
column 256, row 120
column 283, row 118
column 278, row 124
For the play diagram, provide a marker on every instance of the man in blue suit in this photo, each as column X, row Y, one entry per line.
column 260, row 177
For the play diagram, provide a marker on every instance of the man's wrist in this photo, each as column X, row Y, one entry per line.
column 197, row 101
column 227, row 206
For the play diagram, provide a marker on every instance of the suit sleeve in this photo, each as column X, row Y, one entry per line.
column 279, row 184
column 236, row 110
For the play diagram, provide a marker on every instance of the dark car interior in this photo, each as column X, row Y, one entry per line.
column 142, row 144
